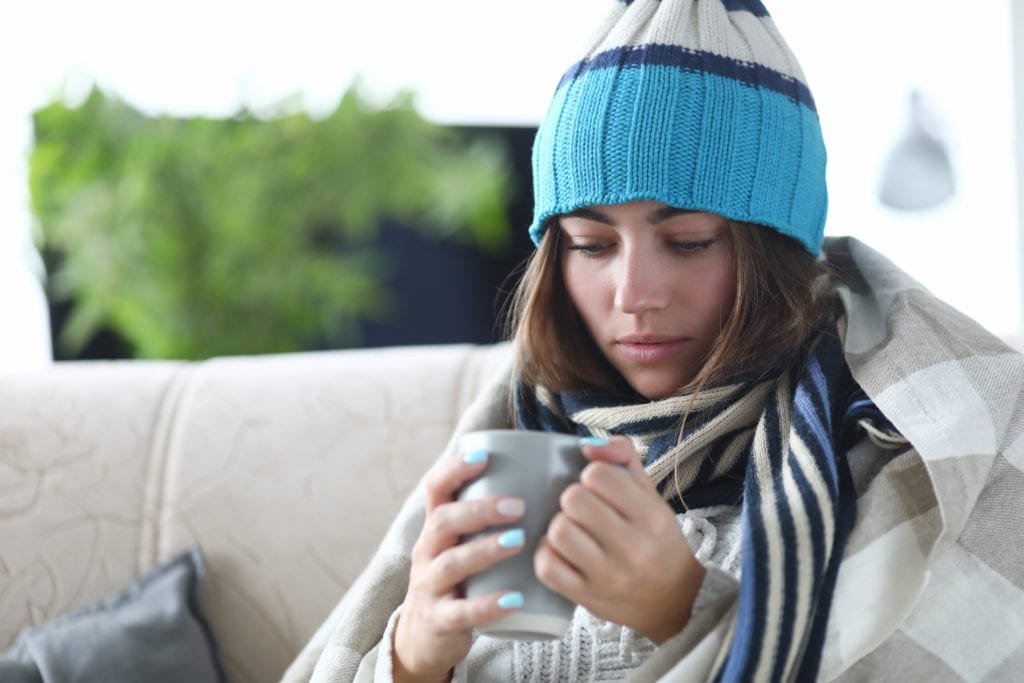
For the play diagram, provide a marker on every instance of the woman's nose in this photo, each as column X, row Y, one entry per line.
column 642, row 285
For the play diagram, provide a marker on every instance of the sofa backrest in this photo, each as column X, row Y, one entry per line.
column 285, row 469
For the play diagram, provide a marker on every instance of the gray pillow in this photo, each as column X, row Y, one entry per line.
column 153, row 631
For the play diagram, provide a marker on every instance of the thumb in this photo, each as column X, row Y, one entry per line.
column 618, row 450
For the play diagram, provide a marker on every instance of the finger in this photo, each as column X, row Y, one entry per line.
column 449, row 474
column 591, row 512
column 618, row 450
column 449, row 522
column 575, row 544
column 453, row 565
column 459, row 615
column 617, row 489
column 557, row 573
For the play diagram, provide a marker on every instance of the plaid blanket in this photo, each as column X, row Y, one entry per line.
column 931, row 584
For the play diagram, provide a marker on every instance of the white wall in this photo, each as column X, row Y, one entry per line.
column 211, row 57
column 861, row 60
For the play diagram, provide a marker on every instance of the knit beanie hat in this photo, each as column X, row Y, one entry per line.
column 699, row 104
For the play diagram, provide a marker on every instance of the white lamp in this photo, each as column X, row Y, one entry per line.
column 917, row 174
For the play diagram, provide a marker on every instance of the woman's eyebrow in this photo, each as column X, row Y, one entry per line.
column 590, row 215
column 666, row 212
column 656, row 216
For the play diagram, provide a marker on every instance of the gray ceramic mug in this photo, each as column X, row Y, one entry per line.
column 537, row 467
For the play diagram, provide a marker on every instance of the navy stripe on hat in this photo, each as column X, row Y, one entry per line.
column 752, row 6
column 696, row 61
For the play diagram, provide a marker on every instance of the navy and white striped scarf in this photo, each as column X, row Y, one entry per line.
column 778, row 447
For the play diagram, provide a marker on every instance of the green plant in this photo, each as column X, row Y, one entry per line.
column 196, row 237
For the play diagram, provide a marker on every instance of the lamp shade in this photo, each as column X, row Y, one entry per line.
column 917, row 173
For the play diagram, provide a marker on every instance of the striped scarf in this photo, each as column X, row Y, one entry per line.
column 778, row 447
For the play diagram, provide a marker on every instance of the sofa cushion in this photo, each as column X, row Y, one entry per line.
column 154, row 630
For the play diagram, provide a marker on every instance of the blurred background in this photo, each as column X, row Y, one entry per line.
column 201, row 179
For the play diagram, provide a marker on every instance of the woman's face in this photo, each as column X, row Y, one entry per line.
column 653, row 284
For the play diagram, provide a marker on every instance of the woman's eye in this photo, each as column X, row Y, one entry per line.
column 689, row 248
column 589, row 249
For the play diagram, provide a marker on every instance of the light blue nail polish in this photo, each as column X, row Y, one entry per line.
column 513, row 538
column 510, row 600
column 475, row 457
column 593, row 441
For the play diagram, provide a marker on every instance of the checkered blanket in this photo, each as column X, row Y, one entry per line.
column 931, row 584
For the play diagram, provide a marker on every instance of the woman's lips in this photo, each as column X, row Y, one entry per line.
column 648, row 351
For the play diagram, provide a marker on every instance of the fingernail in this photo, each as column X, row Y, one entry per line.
column 513, row 538
column 510, row 600
column 475, row 457
column 511, row 507
column 593, row 441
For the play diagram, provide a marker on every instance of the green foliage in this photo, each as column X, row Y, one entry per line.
column 196, row 237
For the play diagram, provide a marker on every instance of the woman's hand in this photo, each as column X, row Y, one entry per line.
column 433, row 631
column 617, row 549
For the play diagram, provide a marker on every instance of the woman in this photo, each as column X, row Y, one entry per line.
column 805, row 440
column 654, row 292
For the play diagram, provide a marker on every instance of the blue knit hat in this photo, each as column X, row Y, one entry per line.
column 699, row 104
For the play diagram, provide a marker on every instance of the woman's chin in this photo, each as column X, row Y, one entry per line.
column 657, row 388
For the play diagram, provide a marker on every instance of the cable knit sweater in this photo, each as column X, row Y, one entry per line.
column 592, row 649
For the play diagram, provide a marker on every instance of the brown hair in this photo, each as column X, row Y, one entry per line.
column 780, row 299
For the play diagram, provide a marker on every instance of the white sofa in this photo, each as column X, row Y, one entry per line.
column 285, row 469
